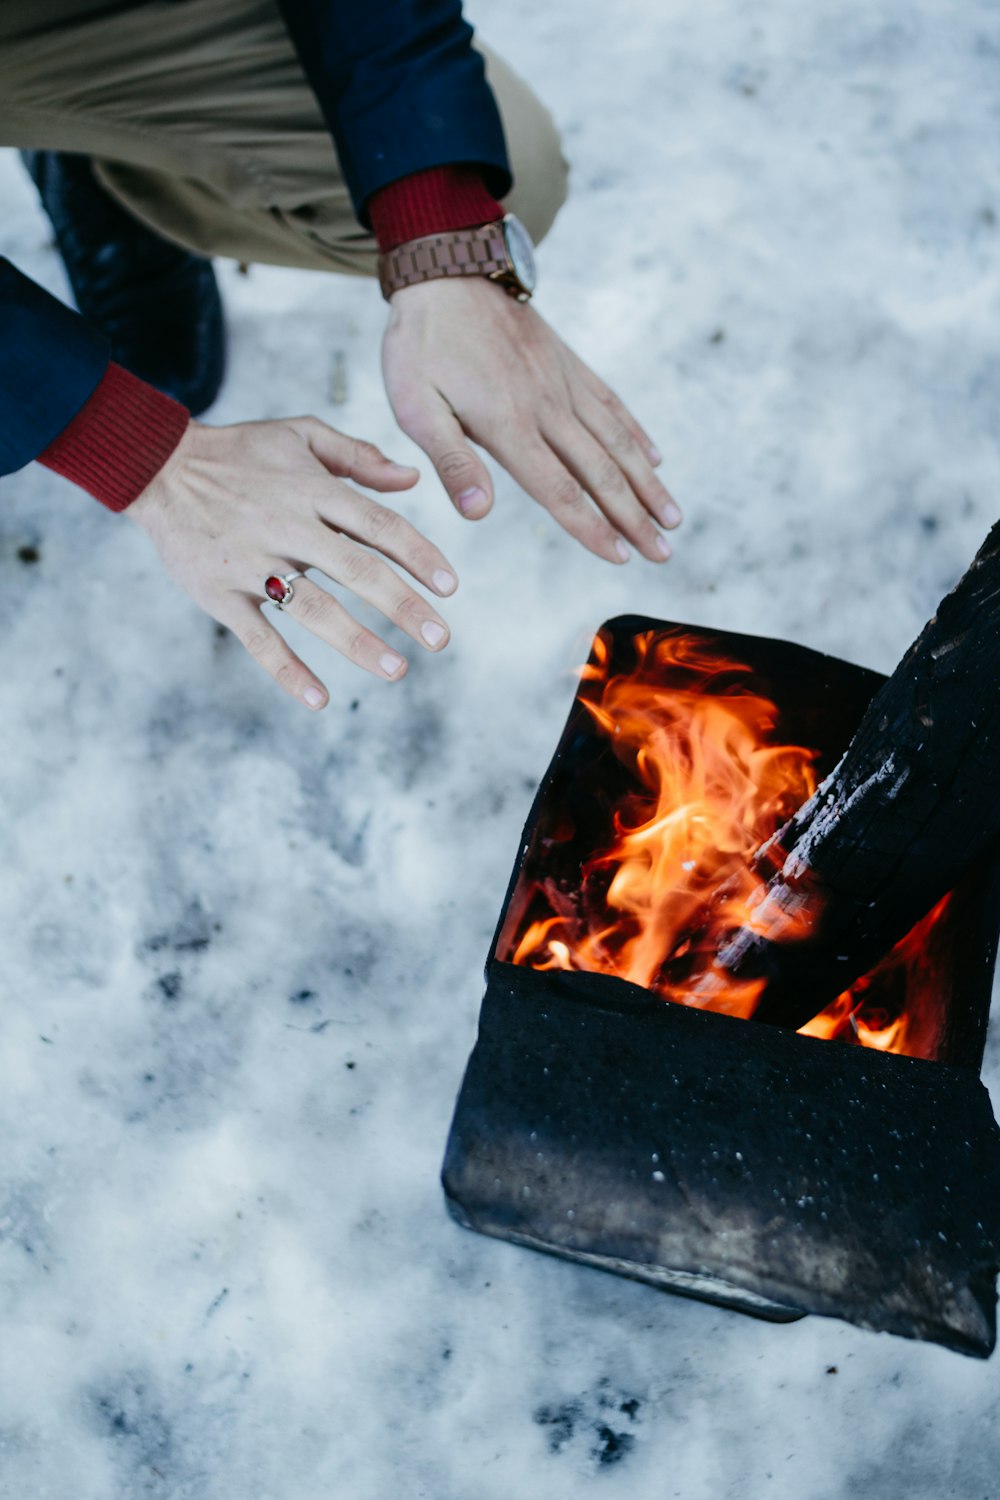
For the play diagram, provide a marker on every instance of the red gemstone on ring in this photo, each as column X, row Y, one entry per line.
column 276, row 588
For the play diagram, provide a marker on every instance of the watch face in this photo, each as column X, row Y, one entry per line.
column 521, row 251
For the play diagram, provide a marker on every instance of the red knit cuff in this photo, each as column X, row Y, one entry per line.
column 431, row 202
column 119, row 439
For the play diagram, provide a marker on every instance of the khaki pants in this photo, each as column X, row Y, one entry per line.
column 201, row 123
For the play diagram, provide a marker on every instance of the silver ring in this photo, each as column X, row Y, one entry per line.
column 278, row 588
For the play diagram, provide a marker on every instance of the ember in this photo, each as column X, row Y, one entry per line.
column 670, row 868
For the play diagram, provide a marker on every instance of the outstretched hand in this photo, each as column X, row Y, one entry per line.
column 463, row 360
column 233, row 505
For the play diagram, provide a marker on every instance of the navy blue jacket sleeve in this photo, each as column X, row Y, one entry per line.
column 51, row 361
column 401, row 89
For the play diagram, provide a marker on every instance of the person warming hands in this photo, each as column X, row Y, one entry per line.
column 366, row 138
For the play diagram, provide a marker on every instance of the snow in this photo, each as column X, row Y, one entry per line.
column 243, row 945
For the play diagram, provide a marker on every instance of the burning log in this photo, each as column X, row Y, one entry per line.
column 908, row 810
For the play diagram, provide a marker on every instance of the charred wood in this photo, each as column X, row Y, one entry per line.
column 912, row 804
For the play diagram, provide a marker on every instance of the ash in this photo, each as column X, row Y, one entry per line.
column 781, row 249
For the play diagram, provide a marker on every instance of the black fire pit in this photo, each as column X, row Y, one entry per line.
column 720, row 1158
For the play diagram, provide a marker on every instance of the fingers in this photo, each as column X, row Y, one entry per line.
column 351, row 458
column 593, row 447
column 321, row 613
column 385, row 530
column 629, row 454
column 603, row 480
column 538, row 470
column 328, row 620
column 462, row 472
column 366, row 575
column 270, row 651
column 616, row 407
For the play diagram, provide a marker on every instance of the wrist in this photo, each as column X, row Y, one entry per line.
column 156, row 495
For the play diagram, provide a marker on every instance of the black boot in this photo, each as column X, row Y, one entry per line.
column 158, row 304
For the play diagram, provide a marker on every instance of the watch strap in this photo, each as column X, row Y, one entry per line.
column 457, row 252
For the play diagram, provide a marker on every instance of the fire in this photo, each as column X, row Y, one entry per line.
column 708, row 785
column 866, row 1013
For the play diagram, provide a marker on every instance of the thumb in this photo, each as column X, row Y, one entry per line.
column 460, row 469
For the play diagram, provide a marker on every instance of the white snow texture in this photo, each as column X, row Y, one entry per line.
column 243, row 944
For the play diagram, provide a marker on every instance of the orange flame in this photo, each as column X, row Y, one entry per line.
column 865, row 1014
column 710, row 787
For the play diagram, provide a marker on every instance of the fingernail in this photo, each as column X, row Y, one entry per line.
column 655, row 456
column 671, row 514
column 432, row 632
column 390, row 663
column 313, row 697
column 443, row 581
column 662, row 545
column 471, row 499
column 401, row 468
column 622, row 550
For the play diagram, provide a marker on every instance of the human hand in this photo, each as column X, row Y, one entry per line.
column 232, row 505
column 463, row 360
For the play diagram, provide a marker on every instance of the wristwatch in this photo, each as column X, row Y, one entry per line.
column 502, row 252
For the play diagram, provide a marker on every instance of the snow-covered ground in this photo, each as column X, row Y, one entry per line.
column 242, row 945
